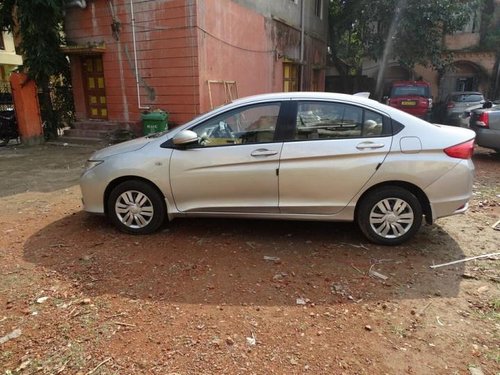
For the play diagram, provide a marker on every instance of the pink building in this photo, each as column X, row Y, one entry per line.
column 188, row 56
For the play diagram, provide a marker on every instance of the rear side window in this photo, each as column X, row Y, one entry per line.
column 467, row 98
column 410, row 91
column 322, row 120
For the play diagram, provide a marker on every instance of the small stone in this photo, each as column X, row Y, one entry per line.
column 13, row 335
column 216, row 342
column 229, row 340
column 483, row 289
column 42, row 299
column 476, row 371
column 85, row 301
column 368, row 328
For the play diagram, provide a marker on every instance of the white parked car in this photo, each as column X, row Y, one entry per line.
column 301, row 156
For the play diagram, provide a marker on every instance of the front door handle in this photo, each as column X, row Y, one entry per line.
column 263, row 152
column 365, row 145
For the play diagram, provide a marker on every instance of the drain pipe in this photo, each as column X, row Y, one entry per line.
column 302, row 35
column 134, row 42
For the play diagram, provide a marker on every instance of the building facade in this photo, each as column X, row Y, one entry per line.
column 188, row 56
column 474, row 66
column 9, row 60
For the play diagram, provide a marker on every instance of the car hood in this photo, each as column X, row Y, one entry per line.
column 133, row 145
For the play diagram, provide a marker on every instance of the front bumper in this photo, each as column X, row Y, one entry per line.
column 92, row 188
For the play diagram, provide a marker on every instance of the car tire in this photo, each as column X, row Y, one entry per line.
column 136, row 207
column 389, row 215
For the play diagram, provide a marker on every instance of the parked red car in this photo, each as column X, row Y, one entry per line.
column 413, row 97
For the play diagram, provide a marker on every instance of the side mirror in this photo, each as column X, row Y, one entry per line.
column 185, row 138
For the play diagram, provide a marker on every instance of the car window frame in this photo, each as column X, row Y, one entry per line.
column 291, row 123
column 277, row 137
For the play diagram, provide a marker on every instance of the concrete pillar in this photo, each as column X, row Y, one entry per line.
column 27, row 108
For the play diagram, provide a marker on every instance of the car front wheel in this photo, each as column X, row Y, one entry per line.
column 389, row 215
column 136, row 207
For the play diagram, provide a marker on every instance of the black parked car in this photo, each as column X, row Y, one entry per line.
column 486, row 123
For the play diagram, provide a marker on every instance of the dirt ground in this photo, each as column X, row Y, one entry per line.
column 78, row 297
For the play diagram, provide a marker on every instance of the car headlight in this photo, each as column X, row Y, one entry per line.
column 92, row 164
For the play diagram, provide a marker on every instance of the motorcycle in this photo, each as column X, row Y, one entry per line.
column 8, row 127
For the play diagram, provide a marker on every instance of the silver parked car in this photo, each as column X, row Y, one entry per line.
column 458, row 104
column 301, row 156
column 486, row 123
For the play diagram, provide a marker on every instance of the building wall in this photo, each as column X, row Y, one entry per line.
column 182, row 44
column 461, row 40
column 235, row 44
column 290, row 11
column 166, row 42
column 286, row 30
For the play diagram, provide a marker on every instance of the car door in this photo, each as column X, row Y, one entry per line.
column 233, row 168
column 335, row 149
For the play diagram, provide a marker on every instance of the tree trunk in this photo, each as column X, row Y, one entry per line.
column 48, row 115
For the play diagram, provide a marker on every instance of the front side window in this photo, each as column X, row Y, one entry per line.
column 317, row 120
column 255, row 124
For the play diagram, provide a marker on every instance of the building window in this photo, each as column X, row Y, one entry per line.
column 290, row 77
column 2, row 45
column 316, row 79
column 318, row 8
column 473, row 25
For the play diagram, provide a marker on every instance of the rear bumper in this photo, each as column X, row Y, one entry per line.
column 450, row 194
column 488, row 138
column 457, row 119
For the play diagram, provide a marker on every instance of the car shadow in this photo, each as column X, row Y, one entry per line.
column 254, row 262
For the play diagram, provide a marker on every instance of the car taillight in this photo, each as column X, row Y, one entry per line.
column 483, row 119
column 461, row 151
column 450, row 105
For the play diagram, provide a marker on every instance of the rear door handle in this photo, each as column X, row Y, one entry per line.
column 263, row 152
column 365, row 145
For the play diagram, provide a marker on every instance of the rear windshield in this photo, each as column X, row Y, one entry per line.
column 467, row 98
column 410, row 91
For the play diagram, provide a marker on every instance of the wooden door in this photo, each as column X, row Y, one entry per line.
column 95, row 91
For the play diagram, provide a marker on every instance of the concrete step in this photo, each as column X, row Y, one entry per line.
column 99, row 125
column 88, row 133
column 65, row 140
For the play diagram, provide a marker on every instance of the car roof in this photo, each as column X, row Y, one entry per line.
column 466, row 93
column 306, row 95
column 410, row 83
column 316, row 95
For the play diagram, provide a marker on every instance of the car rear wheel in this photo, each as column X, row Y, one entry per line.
column 136, row 207
column 389, row 215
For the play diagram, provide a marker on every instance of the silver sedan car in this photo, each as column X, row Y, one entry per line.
column 300, row 156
